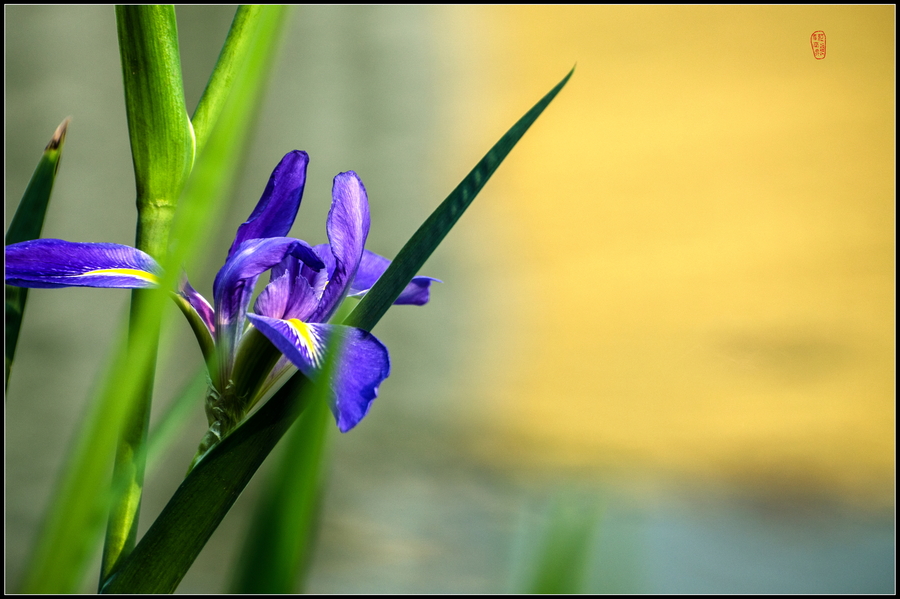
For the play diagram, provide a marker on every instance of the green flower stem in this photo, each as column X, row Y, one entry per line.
column 162, row 148
column 162, row 140
column 27, row 224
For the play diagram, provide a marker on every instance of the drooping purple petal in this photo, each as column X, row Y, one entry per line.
column 234, row 282
column 372, row 266
column 348, row 227
column 364, row 362
column 52, row 263
column 277, row 208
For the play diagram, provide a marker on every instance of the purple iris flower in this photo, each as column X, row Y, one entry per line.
column 247, row 352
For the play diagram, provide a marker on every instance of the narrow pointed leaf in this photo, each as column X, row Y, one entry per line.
column 426, row 239
column 26, row 225
column 174, row 540
column 231, row 60
column 29, row 218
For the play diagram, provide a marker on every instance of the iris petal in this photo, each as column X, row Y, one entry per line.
column 277, row 207
column 234, row 283
column 289, row 293
column 53, row 263
column 273, row 299
column 348, row 227
column 364, row 362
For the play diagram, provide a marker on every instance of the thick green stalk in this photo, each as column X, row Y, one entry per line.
column 162, row 147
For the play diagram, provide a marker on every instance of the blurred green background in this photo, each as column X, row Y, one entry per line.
column 675, row 301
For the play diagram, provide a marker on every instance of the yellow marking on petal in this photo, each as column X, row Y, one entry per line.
column 306, row 338
column 129, row 272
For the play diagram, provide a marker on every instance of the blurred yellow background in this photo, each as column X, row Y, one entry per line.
column 693, row 249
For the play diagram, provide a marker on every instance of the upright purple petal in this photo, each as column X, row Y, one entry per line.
column 348, row 227
column 52, row 263
column 277, row 208
column 364, row 362
column 372, row 266
column 417, row 292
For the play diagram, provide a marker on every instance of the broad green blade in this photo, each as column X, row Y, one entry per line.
column 27, row 224
column 169, row 547
column 167, row 550
column 74, row 521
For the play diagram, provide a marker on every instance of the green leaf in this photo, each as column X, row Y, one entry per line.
column 27, row 224
column 170, row 546
column 29, row 218
column 279, row 544
column 174, row 540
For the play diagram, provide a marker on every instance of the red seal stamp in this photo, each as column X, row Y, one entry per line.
column 817, row 41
